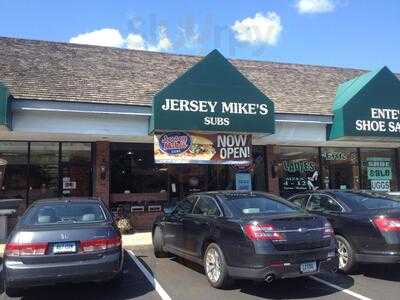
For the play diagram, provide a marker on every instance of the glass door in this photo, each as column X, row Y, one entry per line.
column 186, row 179
column 340, row 168
column 75, row 170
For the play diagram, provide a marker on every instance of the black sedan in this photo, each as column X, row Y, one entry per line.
column 366, row 224
column 58, row 240
column 247, row 235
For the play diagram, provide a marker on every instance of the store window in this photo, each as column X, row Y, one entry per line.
column 224, row 177
column 259, row 180
column 221, row 177
column 339, row 168
column 133, row 169
column 75, row 169
column 44, row 170
column 297, row 169
column 378, row 169
column 13, row 170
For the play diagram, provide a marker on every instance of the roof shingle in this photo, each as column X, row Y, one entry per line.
column 70, row 72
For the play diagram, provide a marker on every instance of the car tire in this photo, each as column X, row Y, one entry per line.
column 158, row 243
column 347, row 261
column 215, row 267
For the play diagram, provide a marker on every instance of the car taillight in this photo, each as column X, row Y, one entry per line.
column 100, row 244
column 328, row 230
column 31, row 249
column 386, row 224
column 262, row 232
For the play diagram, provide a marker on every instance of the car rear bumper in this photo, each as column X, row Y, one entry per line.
column 379, row 258
column 18, row 274
column 289, row 270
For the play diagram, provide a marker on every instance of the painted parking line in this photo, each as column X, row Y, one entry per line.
column 347, row 291
column 160, row 290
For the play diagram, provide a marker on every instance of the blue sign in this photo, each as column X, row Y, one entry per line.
column 243, row 182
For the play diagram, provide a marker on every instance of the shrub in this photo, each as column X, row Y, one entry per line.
column 124, row 225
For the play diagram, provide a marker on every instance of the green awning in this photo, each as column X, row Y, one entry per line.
column 212, row 96
column 5, row 107
column 367, row 107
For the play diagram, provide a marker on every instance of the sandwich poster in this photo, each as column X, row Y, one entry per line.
column 196, row 148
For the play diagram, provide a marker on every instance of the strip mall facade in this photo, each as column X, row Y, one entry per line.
column 141, row 129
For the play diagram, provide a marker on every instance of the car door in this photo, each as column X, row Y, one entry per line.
column 198, row 225
column 326, row 206
column 173, row 223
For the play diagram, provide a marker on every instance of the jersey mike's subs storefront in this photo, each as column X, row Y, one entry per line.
column 141, row 130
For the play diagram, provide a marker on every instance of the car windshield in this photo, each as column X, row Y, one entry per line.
column 64, row 213
column 372, row 200
column 257, row 204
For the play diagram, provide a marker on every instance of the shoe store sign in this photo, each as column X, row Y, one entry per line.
column 381, row 120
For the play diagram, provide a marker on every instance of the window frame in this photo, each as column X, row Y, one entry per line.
column 299, row 195
column 328, row 196
column 186, row 199
column 27, row 198
column 200, row 197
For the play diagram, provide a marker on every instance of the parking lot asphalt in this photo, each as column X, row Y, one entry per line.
column 184, row 280
column 176, row 278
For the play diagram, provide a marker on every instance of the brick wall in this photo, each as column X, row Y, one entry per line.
column 101, row 180
column 143, row 221
column 273, row 181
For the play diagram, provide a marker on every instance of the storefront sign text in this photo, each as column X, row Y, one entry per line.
column 212, row 96
column 380, row 185
column 226, row 108
column 293, row 166
column 382, row 120
column 379, row 168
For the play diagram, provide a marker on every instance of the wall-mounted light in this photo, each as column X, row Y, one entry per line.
column 103, row 170
column 274, row 169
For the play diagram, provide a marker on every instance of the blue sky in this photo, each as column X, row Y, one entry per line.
column 350, row 33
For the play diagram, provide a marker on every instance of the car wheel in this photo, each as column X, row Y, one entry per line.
column 215, row 267
column 347, row 261
column 158, row 243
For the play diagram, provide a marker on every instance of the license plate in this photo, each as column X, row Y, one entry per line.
column 64, row 248
column 308, row 267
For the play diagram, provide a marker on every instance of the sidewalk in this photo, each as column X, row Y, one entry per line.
column 128, row 240
column 137, row 239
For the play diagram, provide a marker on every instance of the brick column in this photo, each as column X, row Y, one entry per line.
column 272, row 179
column 101, row 186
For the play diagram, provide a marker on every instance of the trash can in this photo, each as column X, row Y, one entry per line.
column 10, row 210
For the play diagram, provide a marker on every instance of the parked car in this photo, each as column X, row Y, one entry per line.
column 62, row 240
column 249, row 235
column 366, row 224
